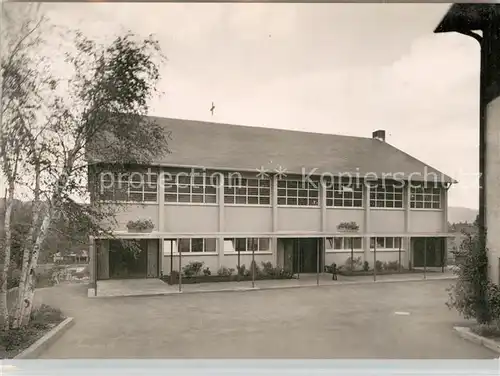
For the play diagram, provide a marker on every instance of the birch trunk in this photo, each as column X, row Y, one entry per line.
column 4, row 311
column 29, row 289
column 27, row 247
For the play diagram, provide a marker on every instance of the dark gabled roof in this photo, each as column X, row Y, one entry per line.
column 245, row 148
column 468, row 17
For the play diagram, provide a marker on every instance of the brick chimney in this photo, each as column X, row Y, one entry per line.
column 379, row 135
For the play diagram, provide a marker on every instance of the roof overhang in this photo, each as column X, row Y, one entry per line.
column 468, row 17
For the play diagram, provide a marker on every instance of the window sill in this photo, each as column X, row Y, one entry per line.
column 388, row 250
column 346, row 207
column 129, row 202
column 190, row 204
column 300, row 206
column 391, row 209
column 191, row 254
column 344, row 251
column 250, row 205
column 426, row 210
column 248, row 253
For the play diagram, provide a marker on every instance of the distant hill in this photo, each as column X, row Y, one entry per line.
column 457, row 214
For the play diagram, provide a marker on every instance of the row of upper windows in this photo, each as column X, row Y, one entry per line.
column 199, row 189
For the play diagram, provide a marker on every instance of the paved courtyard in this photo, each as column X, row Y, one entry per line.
column 344, row 321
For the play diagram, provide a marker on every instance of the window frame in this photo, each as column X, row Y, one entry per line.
column 233, row 188
column 381, row 189
column 175, row 251
column 181, row 187
column 426, row 197
column 394, row 247
column 336, row 194
column 121, row 179
column 286, row 186
column 260, row 249
column 345, row 246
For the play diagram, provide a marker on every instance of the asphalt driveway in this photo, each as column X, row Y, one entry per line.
column 350, row 321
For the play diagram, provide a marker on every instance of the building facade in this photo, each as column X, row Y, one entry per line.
column 287, row 210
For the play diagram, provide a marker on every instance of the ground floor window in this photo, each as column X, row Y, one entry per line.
column 386, row 242
column 344, row 243
column 246, row 244
column 194, row 245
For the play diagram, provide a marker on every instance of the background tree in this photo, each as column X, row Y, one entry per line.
column 104, row 109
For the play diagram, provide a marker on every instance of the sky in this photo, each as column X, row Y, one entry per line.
column 332, row 68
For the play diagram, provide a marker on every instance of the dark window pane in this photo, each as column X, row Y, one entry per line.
column 291, row 201
column 184, row 245
column 184, row 198
column 197, row 245
column 337, row 243
column 389, row 242
column 197, row 198
column 263, row 244
column 302, row 201
column 281, row 201
column 210, row 245
column 253, row 200
column 171, row 198
column 241, row 199
column 252, row 244
column 210, row 199
column 264, row 200
column 229, row 199
column 240, row 245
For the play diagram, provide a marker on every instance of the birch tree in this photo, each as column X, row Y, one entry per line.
column 21, row 84
column 103, row 110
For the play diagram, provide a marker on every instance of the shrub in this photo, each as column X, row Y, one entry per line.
column 193, row 268
column 15, row 339
column 379, row 266
column 46, row 315
column 225, row 272
column 366, row 266
column 392, row 265
column 267, row 268
column 473, row 295
column 254, row 267
column 207, row 272
column 348, row 226
column 242, row 270
column 140, row 224
column 356, row 264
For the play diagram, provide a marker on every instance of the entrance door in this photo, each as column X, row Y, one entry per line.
column 125, row 263
column 434, row 252
column 305, row 255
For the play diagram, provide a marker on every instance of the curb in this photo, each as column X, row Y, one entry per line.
column 469, row 335
column 34, row 351
column 91, row 291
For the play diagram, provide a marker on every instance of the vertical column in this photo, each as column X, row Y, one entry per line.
column 444, row 244
column 490, row 144
column 324, row 225
column 161, row 202
column 366, row 224
column 161, row 251
column 406, row 239
column 274, row 213
column 92, row 260
column 103, row 259
column 221, row 227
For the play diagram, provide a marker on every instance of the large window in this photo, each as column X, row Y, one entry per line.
column 344, row 243
column 195, row 245
column 343, row 193
column 246, row 244
column 247, row 191
column 128, row 187
column 298, row 193
column 425, row 198
column 386, row 195
column 191, row 189
column 386, row 243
